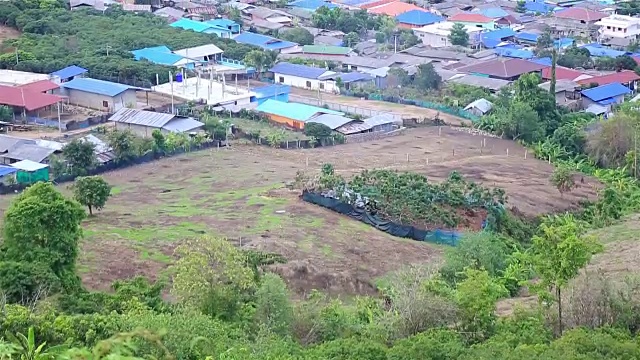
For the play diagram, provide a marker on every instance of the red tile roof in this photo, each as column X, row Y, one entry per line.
column 502, row 68
column 40, row 86
column 622, row 77
column 394, row 8
column 562, row 73
column 582, row 14
column 28, row 99
column 468, row 17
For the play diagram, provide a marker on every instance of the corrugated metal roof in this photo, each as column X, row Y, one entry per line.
column 302, row 71
column 606, row 91
column 493, row 12
column 263, row 41
column 199, row 51
column 331, row 120
column 623, row 77
column 604, row 52
column 136, row 7
column 470, row 17
column 295, row 111
column 582, row 14
column 169, row 12
column 7, row 142
column 499, row 34
column 141, row 117
column 352, row 77
column 95, row 86
column 7, row 170
column 271, row 90
column 28, row 99
column 29, row 152
column 327, row 40
column 183, row 125
column 596, row 109
column 481, row 104
column 69, row 71
column 312, row 5
column 158, row 55
column 40, row 86
column 188, row 24
column 326, row 49
column 394, row 8
column 380, row 119
column 525, row 36
column 419, row 17
column 28, row 165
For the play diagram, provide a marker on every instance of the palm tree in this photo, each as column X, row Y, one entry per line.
column 28, row 350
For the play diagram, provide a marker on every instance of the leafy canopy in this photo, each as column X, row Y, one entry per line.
column 92, row 192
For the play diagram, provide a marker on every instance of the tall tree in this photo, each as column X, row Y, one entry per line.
column 427, row 78
column 298, row 35
column 459, row 35
column 558, row 252
column 80, row 156
column 92, row 192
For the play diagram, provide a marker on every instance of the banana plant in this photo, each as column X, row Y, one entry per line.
column 29, row 350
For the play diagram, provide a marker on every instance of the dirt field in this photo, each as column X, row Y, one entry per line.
column 239, row 193
column 8, row 33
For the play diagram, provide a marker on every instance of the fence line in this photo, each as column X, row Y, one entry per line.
column 349, row 109
column 377, row 135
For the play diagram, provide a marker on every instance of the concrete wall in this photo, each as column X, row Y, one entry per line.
column 140, row 130
column 433, row 40
column 299, row 82
column 96, row 101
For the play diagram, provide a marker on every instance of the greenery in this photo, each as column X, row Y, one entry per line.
column 92, row 192
column 345, row 21
column 298, row 35
column 54, row 37
column 80, row 156
column 459, row 35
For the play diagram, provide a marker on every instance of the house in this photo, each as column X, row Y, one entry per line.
column 332, row 121
column 619, row 27
column 493, row 85
column 42, row 86
column 598, row 50
column 7, row 173
column 311, row 5
column 30, row 152
column 162, row 55
column 417, row 18
column 576, row 21
column 202, row 13
column 474, row 20
column 605, row 95
column 627, row 78
column 30, row 172
column 527, row 38
column 273, row 16
column 264, row 26
column 305, row 77
column 479, row 107
column 203, row 54
column 230, row 25
column 143, row 123
column 492, row 39
column 299, row 15
column 99, row 94
column 263, row 41
column 513, row 52
column 69, row 73
column 366, row 48
column 273, row 92
column 25, row 99
column 328, row 40
column 505, row 69
column 352, row 79
column 378, row 123
column 292, row 114
column 169, row 13
column 508, row 21
column 567, row 93
column 537, row 7
column 437, row 35
column 393, row 9
column 137, row 8
column 334, row 52
column 201, row 27
column 87, row 4
column 562, row 73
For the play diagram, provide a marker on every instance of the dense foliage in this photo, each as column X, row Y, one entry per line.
column 100, row 42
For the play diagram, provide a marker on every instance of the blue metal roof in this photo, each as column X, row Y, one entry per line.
column 537, row 7
column 188, row 24
column 490, row 43
column 527, row 36
column 494, row 12
column 542, row 61
column 514, row 53
column 95, row 86
column 263, row 41
column 295, row 111
column 605, row 91
column 302, row 71
column 69, row 71
column 6, row 170
column 312, row 5
column 419, row 17
column 499, row 34
column 563, row 42
column 158, row 55
column 271, row 90
column 222, row 22
column 352, row 77
column 601, row 51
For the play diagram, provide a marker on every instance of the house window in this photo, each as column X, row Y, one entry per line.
column 281, row 79
column 105, row 104
column 322, row 86
column 308, row 84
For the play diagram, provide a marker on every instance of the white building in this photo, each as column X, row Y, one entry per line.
column 204, row 53
column 304, row 77
column 437, row 35
column 619, row 26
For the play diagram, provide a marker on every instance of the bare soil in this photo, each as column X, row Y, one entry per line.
column 7, row 32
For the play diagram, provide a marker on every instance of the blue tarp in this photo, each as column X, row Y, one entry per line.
column 7, row 170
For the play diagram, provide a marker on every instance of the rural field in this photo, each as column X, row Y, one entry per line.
column 240, row 193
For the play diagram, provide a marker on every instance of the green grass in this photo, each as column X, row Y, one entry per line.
column 249, row 126
column 626, row 230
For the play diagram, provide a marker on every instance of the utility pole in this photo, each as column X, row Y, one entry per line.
column 17, row 57
column 107, row 48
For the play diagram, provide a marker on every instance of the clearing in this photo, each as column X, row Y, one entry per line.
column 7, row 32
column 239, row 193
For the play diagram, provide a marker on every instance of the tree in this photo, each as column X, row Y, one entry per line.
column 42, row 229
column 427, row 78
column 159, row 141
column 212, row 276
column 625, row 62
column 558, row 252
column 298, row 35
column 482, row 251
column 459, row 35
column 562, row 179
column 316, row 130
column 520, row 7
column 123, row 145
column 260, row 60
column 609, row 144
column 351, row 39
column 29, row 350
column 80, row 156
column 273, row 307
column 92, row 192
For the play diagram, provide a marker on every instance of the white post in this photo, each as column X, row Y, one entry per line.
column 157, row 80
column 173, row 111
column 59, row 120
column 525, row 153
column 507, row 151
column 407, row 157
column 307, row 161
column 439, row 130
column 484, row 142
column 549, row 159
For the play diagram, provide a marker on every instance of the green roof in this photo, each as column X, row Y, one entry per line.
column 295, row 111
column 326, row 49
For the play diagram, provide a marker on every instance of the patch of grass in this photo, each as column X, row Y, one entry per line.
column 147, row 234
column 155, row 256
column 265, row 128
column 627, row 230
